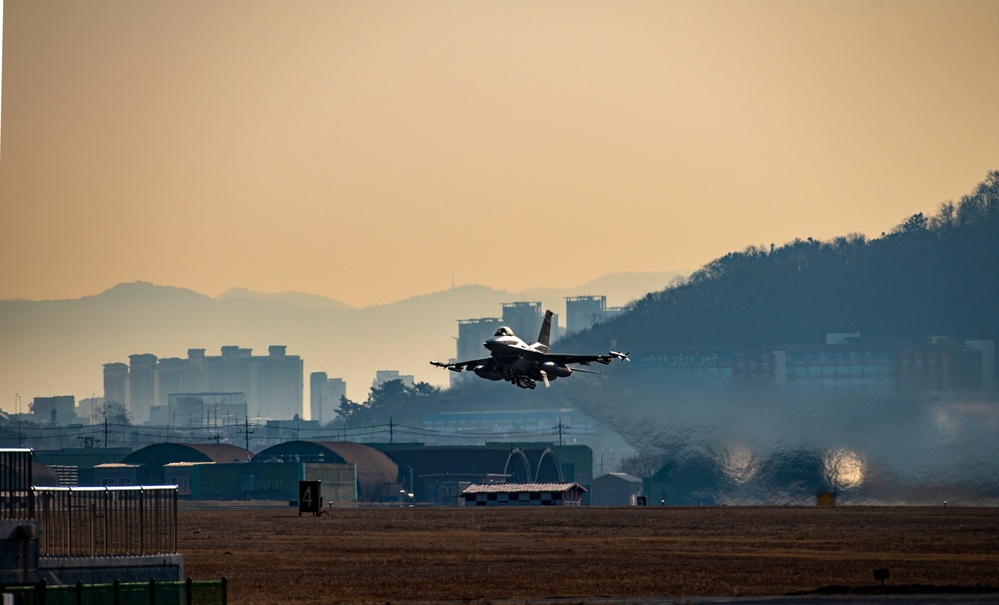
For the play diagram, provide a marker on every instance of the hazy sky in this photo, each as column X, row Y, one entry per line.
column 369, row 151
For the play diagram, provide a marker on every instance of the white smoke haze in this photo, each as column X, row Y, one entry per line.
column 764, row 443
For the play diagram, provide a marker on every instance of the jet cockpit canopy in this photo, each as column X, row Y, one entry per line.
column 503, row 331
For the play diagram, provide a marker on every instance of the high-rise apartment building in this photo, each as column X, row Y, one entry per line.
column 472, row 333
column 524, row 318
column 324, row 396
column 116, row 383
column 584, row 312
column 272, row 383
column 141, row 386
column 57, row 410
column 201, row 410
column 383, row 376
column 279, row 380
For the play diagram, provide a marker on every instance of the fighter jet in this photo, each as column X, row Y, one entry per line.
column 522, row 364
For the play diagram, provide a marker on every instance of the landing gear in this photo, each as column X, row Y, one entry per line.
column 526, row 383
column 522, row 381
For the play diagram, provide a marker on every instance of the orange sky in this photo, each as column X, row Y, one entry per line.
column 369, row 151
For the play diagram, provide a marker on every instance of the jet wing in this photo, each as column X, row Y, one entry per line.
column 459, row 366
column 586, row 359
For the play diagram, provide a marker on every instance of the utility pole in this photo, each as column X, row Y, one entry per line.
column 246, row 431
column 391, row 431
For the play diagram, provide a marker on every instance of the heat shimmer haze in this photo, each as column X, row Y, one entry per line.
column 372, row 151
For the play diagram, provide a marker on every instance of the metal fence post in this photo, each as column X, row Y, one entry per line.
column 69, row 525
column 175, row 520
column 142, row 522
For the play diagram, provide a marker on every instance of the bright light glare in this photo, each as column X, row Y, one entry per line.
column 845, row 469
column 739, row 464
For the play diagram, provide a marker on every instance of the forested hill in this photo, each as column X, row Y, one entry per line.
column 929, row 276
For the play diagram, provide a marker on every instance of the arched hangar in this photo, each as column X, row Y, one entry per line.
column 153, row 458
column 438, row 473
column 377, row 474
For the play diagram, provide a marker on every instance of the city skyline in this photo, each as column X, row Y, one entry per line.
column 78, row 336
column 368, row 153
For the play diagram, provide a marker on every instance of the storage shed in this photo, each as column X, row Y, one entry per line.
column 523, row 494
column 616, row 489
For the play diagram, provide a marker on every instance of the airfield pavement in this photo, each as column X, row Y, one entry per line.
column 588, row 554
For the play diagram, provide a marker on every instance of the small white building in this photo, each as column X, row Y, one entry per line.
column 116, row 474
column 522, row 494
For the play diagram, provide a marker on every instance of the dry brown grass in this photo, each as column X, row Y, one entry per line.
column 272, row 555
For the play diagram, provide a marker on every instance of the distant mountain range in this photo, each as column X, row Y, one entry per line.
column 58, row 347
column 295, row 299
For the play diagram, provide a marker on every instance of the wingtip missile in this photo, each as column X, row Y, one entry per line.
column 621, row 356
column 448, row 366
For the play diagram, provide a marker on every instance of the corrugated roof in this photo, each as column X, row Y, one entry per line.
column 624, row 476
column 159, row 454
column 177, row 464
column 517, row 488
column 221, row 452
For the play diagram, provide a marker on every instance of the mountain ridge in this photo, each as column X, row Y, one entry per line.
column 622, row 281
column 57, row 347
column 291, row 297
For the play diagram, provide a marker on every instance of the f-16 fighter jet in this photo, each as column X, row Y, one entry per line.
column 522, row 364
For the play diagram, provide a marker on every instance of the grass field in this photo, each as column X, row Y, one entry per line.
column 355, row 555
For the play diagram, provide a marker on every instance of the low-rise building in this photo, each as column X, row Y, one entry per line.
column 523, row 494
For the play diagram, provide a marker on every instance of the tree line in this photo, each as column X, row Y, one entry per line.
column 929, row 276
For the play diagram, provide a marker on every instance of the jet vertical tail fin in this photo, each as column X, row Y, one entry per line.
column 545, row 335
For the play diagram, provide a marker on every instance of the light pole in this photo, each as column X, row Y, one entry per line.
column 17, row 408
